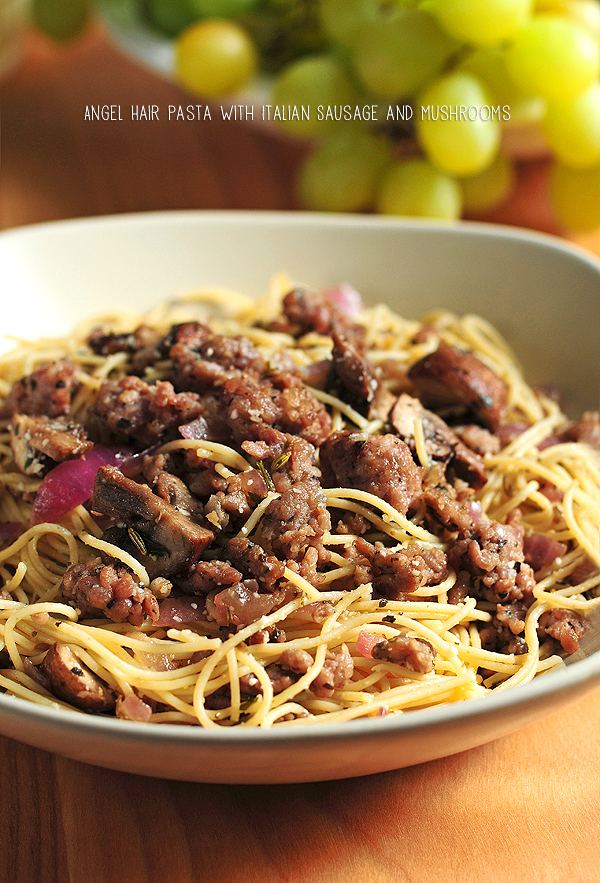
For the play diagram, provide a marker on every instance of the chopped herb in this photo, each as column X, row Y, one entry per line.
column 263, row 471
column 137, row 540
column 146, row 545
column 280, row 461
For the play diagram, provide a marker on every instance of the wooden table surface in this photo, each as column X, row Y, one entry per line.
column 526, row 807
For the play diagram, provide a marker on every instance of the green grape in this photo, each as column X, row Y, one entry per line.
column 396, row 55
column 214, row 58
column 489, row 188
column 575, row 197
column 415, row 188
column 317, row 81
column 123, row 13
column 584, row 12
column 572, row 129
column 220, row 8
column 169, row 16
column 481, row 22
column 489, row 66
column 466, row 143
column 285, row 30
column 553, row 57
column 61, row 19
column 343, row 172
column 342, row 20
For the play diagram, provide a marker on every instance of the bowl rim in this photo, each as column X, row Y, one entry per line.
column 292, row 218
column 579, row 674
column 583, row 674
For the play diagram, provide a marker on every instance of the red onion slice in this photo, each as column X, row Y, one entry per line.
column 345, row 298
column 542, row 551
column 176, row 612
column 71, row 483
column 365, row 643
column 197, row 429
column 132, row 708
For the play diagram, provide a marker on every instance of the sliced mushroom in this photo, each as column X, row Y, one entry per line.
column 442, row 444
column 73, row 681
column 453, row 382
column 156, row 533
column 38, row 442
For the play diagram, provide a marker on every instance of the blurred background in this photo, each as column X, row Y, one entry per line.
column 481, row 109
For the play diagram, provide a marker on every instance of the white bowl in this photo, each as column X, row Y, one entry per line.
column 543, row 294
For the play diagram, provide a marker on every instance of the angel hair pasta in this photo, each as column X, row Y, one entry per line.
column 288, row 511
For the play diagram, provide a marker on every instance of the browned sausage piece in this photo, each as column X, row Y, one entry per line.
column 414, row 653
column 379, row 464
column 457, row 381
column 73, row 682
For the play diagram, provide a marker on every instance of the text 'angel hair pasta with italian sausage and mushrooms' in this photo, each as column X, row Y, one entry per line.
column 288, row 511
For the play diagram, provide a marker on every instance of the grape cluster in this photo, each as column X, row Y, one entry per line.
column 409, row 103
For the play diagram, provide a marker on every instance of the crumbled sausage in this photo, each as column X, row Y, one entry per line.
column 565, row 626
column 143, row 345
column 337, row 670
column 279, row 677
column 379, row 464
column 299, row 661
column 48, row 391
column 132, row 409
column 254, row 562
column 478, row 439
column 395, row 574
column 294, row 522
column 307, row 311
column 494, row 556
column 413, row 653
column 253, row 406
column 200, row 364
column 205, row 576
column 290, row 459
column 110, row 590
